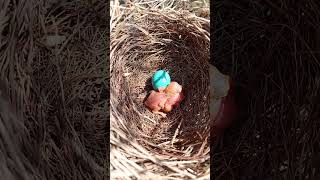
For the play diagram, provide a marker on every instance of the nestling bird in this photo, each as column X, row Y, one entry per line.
column 173, row 88
column 176, row 96
column 226, row 112
column 222, row 105
column 156, row 102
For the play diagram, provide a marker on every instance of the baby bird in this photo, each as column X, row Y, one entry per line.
column 174, row 91
column 156, row 102
column 173, row 88
column 227, row 110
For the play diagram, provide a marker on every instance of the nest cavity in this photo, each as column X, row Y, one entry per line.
column 178, row 43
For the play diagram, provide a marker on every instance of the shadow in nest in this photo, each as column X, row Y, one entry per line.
column 273, row 62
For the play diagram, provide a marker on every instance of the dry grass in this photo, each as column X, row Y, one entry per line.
column 59, row 88
column 143, row 145
column 53, row 104
column 273, row 54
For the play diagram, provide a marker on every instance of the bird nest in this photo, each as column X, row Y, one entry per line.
column 142, row 143
column 53, row 90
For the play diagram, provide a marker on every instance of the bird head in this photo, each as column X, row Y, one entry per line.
column 173, row 88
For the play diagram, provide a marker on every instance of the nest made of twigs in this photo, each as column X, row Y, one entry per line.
column 53, row 94
column 142, row 42
column 272, row 59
